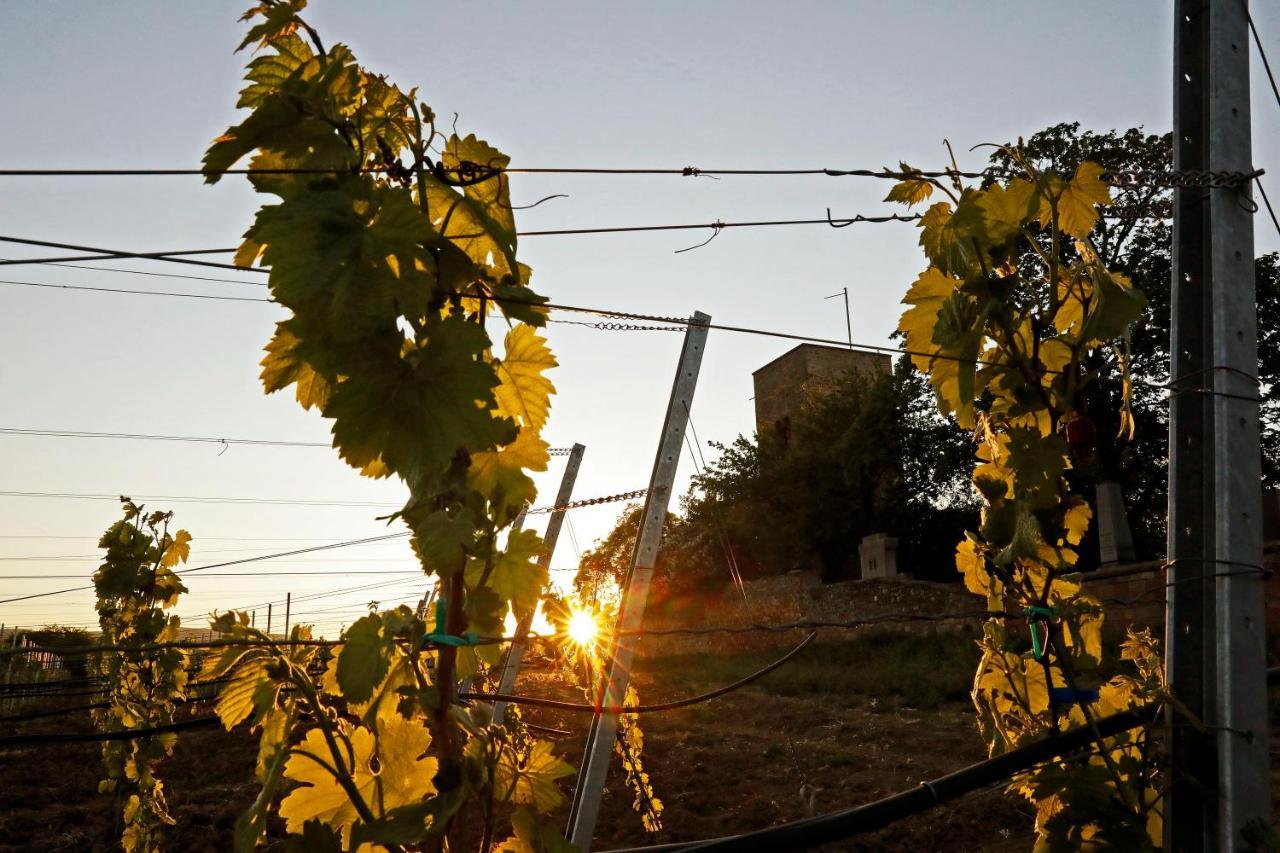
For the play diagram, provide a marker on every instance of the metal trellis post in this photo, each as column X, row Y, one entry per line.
column 515, row 653
column 604, row 725
column 1215, row 619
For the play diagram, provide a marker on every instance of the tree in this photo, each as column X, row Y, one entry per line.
column 873, row 456
column 1140, row 248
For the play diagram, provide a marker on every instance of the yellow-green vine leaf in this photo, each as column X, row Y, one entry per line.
column 516, row 577
column 405, row 776
column 236, row 701
column 1075, row 522
column 1078, row 200
column 533, row 836
column 500, row 474
column 282, row 366
column 910, row 191
column 533, row 773
column 420, row 412
column 524, row 393
column 178, row 550
column 1006, row 208
column 364, row 658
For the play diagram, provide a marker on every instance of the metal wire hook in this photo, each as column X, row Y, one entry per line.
column 716, row 227
column 844, row 224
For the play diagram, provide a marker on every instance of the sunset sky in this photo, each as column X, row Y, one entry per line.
column 659, row 84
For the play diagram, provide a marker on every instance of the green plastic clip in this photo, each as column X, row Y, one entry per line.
column 442, row 638
column 1036, row 614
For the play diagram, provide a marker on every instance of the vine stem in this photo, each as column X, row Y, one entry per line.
column 342, row 776
column 1121, row 788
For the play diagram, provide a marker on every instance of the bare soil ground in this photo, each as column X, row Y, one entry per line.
column 855, row 720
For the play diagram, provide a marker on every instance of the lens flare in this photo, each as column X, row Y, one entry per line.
column 583, row 628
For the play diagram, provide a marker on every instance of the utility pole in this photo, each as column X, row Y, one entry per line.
column 848, row 323
column 268, row 619
column 288, row 601
column 604, row 725
column 515, row 653
column 1215, row 619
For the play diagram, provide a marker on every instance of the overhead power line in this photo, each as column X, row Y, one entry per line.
column 685, row 171
column 53, row 433
column 203, row 500
column 478, row 172
column 209, row 296
column 228, row 563
column 200, row 439
column 182, row 256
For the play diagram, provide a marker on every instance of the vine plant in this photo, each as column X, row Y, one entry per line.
column 135, row 585
column 1014, row 316
column 390, row 245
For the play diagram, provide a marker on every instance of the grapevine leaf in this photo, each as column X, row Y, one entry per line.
column 1076, row 521
column 442, row 539
column 177, row 550
column 466, row 223
column 524, row 393
column 253, row 823
column 417, row 415
column 947, row 235
column 235, row 702
column 492, row 196
column 364, row 658
column 282, row 367
column 1038, row 463
column 404, row 776
column 926, row 297
column 533, row 836
column 346, row 255
column 1078, row 201
column 500, row 474
column 531, row 775
column 1006, row 208
column 1116, row 306
column 279, row 20
column 269, row 72
column 970, row 563
column 517, row 577
column 910, row 191
column 401, row 825
column 316, row 837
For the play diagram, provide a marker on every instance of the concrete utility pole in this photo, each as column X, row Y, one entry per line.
column 515, row 653
column 1215, row 620
column 604, row 725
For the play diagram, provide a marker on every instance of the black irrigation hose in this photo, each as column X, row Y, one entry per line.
column 835, row 826
column 641, row 709
column 39, row 738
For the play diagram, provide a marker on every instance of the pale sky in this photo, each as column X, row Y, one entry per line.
column 656, row 84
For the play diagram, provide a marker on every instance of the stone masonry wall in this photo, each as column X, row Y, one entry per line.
column 1133, row 595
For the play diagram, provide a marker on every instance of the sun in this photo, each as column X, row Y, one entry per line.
column 582, row 628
